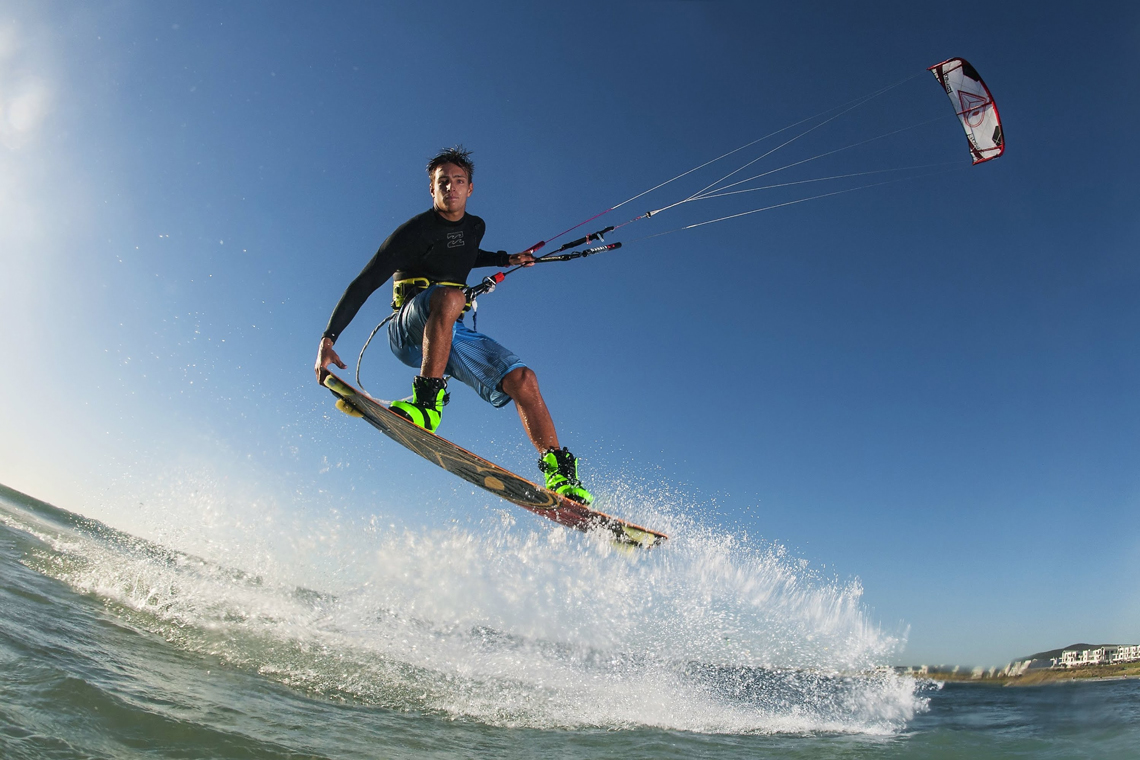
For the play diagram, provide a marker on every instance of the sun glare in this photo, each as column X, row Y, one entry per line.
column 25, row 95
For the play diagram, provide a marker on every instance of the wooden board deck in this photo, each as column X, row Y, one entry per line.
column 487, row 475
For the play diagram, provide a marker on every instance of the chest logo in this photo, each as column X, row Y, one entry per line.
column 455, row 239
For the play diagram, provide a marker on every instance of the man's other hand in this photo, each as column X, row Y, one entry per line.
column 526, row 259
column 325, row 357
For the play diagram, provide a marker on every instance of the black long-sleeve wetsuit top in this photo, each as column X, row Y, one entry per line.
column 427, row 245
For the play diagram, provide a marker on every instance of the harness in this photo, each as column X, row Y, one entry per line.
column 403, row 290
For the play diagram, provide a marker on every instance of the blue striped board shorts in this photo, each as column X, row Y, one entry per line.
column 476, row 360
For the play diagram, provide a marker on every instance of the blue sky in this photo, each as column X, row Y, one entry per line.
column 930, row 385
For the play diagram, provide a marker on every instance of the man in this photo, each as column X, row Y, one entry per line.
column 430, row 256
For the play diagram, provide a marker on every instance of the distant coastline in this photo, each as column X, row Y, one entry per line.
column 1038, row 677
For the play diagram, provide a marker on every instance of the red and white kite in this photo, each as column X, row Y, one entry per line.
column 975, row 107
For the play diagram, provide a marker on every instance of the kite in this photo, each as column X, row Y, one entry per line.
column 975, row 107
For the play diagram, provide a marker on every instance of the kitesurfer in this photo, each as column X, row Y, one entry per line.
column 429, row 258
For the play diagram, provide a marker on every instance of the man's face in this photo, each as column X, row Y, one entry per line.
column 450, row 190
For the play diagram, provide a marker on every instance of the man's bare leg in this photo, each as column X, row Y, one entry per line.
column 522, row 385
column 446, row 306
column 425, row 408
column 558, row 465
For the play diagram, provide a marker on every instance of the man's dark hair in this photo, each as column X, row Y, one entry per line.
column 457, row 155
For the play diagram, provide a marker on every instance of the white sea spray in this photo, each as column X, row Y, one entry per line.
column 512, row 622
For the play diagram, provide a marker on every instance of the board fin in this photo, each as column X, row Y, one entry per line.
column 348, row 408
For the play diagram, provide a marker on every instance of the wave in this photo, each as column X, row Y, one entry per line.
column 509, row 623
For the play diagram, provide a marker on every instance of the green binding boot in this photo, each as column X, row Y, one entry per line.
column 425, row 407
column 561, row 470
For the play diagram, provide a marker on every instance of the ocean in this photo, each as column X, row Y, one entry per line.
column 372, row 641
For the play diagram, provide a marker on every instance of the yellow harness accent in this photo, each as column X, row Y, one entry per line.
column 402, row 290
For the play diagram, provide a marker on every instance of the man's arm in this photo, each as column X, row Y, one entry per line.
column 386, row 261
column 503, row 259
column 491, row 259
column 375, row 274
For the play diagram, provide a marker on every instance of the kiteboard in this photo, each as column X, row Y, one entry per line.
column 487, row 475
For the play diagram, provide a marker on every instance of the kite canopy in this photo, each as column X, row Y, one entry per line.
column 975, row 107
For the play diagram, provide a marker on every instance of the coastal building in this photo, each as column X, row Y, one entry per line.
column 1108, row 654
